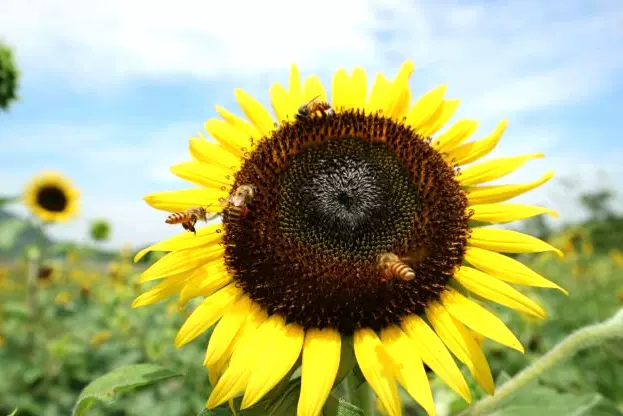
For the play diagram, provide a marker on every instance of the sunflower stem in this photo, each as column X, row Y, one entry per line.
column 33, row 257
column 581, row 339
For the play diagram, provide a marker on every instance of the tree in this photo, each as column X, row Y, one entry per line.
column 9, row 77
column 597, row 203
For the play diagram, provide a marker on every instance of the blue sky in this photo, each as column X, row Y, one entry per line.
column 111, row 93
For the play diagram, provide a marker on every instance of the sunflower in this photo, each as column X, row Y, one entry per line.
column 51, row 197
column 355, row 232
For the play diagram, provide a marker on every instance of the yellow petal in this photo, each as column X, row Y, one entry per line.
column 493, row 169
column 455, row 135
column 402, row 106
column 239, row 123
column 245, row 337
column 200, row 173
column 458, row 339
column 399, row 89
column 203, row 282
column 282, row 105
column 234, row 140
column 508, row 241
column 491, row 288
column 408, row 367
column 255, row 112
column 206, row 314
column 321, row 359
column 213, row 153
column 499, row 193
column 282, row 351
column 176, row 201
column 312, row 87
column 435, row 355
column 340, row 90
column 377, row 368
column 359, row 88
column 168, row 287
column 206, row 236
column 378, row 96
column 506, row 268
column 226, row 330
column 180, row 262
column 479, row 319
column 508, row 212
column 470, row 152
column 441, row 117
column 426, row 107
column 247, row 343
column 295, row 87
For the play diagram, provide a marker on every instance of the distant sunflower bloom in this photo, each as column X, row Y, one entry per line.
column 51, row 197
column 356, row 231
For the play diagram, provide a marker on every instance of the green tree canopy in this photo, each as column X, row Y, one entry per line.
column 9, row 77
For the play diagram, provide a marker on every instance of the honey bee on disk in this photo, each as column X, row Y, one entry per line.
column 392, row 266
column 306, row 110
column 236, row 203
column 189, row 218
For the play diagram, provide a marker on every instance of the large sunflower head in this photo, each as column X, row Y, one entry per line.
column 346, row 220
column 51, row 197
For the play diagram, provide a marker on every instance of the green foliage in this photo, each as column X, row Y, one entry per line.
column 9, row 77
column 537, row 399
column 99, row 230
column 337, row 406
column 117, row 381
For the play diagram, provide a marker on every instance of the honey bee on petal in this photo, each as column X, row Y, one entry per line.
column 236, row 203
column 306, row 110
column 189, row 218
column 392, row 266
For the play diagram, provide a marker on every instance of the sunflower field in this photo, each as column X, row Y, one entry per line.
column 84, row 328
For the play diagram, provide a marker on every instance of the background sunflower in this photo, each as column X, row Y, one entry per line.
column 51, row 197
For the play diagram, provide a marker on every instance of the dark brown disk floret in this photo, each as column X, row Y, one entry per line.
column 332, row 193
column 52, row 198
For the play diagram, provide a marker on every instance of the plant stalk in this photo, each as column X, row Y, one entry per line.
column 581, row 339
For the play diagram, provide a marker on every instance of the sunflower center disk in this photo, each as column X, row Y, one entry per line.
column 332, row 194
column 52, row 199
column 348, row 195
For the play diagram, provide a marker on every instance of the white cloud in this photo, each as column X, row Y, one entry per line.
column 189, row 37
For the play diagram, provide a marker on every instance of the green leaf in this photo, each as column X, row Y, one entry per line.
column 10, row 230
column 537, row 399
column 14, row 412
column 117, row 381
column 337, row 406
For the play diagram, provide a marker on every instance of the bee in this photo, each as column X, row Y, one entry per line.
column 189, row 218
column 392, row 266
column 237, row 202
column 312, row 106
